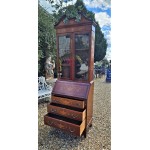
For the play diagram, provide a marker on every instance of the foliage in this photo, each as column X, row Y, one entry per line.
column 100, row 44
column 105, row 62
column 80, row 6
column 70, row 11
column 46, row 38
column 40, row 56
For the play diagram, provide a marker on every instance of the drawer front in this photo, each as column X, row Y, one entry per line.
column 64, row 125
column 68, row 102
column 76, row 115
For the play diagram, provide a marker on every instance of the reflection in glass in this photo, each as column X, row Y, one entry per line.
column 82, row 55
column 82, row 41
column 64, row 45
column 64, row 56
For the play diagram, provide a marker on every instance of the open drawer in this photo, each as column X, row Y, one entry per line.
column 66, row 124
column 67, row 111
column 68, row 101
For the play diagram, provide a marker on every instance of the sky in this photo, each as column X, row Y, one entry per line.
column 102, row 10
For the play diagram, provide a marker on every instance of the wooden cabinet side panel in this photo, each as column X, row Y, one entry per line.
column 90, row 105
column 91, row 75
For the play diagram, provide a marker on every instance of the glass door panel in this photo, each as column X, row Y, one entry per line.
column 64, row 57
column 81, row 56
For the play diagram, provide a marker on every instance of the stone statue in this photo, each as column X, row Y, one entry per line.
column 49, row 66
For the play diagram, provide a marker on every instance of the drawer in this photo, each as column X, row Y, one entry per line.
column 67, row 111
column 68, row 102
column 66, row 124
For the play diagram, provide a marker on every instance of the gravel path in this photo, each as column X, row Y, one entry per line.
column 98, row 136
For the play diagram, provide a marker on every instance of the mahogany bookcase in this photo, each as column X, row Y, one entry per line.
column 71, row 106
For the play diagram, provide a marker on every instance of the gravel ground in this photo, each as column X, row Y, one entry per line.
column 98, row 136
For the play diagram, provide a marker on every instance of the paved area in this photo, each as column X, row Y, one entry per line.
column 98, row 136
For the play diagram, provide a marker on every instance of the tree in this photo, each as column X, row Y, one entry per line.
column 80, row 6
column 100, row 44
column 46, row 38
column 105, row 62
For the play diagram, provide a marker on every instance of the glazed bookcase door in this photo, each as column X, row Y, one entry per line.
column 64, row 56
column 82, row 56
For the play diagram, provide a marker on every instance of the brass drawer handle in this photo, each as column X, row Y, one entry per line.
column 71, row 130
column 61, row 126
column 49, row 122
column 55, row 101
column 74, row 116
column 64, row 111
column 53, row 110
column 77, row 104
column 68, row 102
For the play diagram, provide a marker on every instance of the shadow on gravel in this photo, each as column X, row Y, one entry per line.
column 62, row 140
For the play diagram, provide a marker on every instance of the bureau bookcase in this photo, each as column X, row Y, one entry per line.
column 71, row 106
